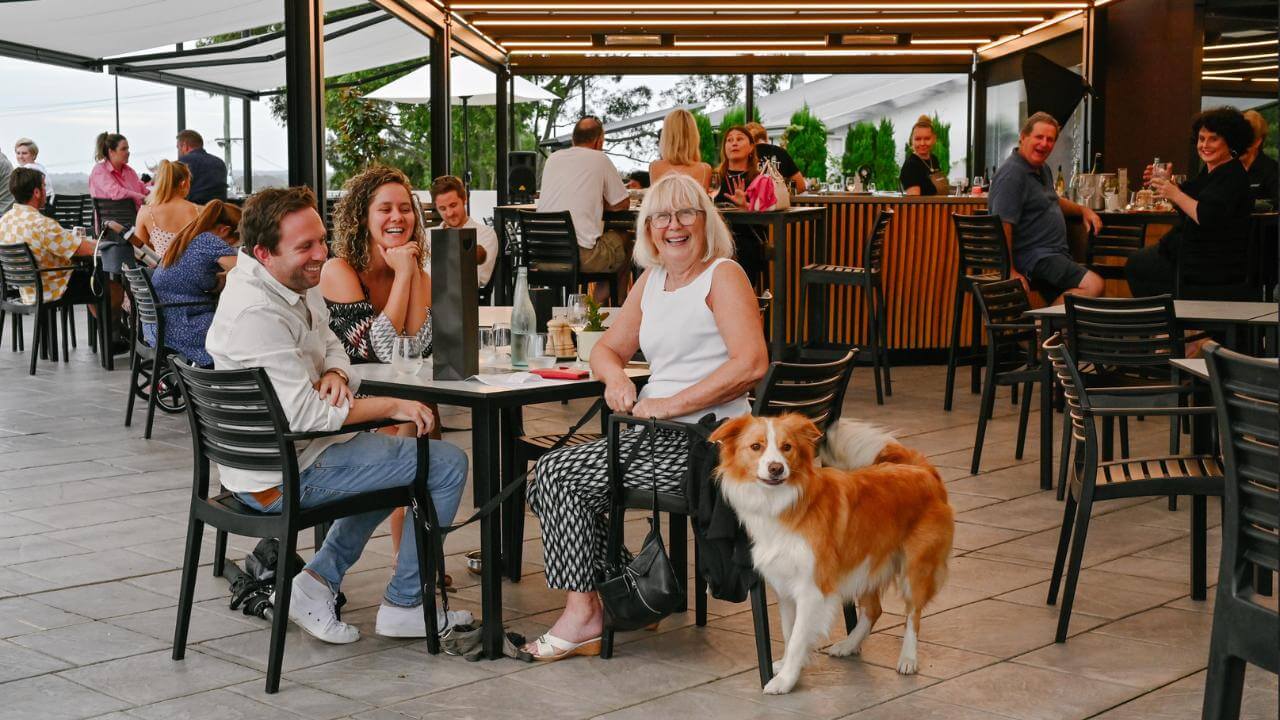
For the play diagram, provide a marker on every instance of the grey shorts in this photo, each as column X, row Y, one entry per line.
column 1056, row 274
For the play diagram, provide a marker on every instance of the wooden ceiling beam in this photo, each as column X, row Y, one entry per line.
column 728, row 65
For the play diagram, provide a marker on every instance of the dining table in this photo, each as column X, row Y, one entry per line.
column 496, row 422
column 1224, row 315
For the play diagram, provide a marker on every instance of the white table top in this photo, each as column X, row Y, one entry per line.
column 1194, row 310
column 1198, row 367
column 384, row 374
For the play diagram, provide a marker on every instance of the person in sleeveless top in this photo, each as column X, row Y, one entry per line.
column 167, row 209
column 679, row 148
column 696, row 318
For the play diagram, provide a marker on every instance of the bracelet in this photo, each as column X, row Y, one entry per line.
column 340, row 374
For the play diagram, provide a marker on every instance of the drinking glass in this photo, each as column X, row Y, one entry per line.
column 715, row 183
column 979, row 181
column 406, row 354
column 1161, row 170
column 488, row 348
column 536, row 353
column 501, row 338
column 577, row 312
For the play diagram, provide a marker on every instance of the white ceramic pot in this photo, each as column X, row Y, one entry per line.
column 586, row 340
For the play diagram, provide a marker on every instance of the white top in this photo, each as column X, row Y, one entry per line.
column 681, row 341
column 581, row 180
column 485, row 238
column 48, row 189
column 261, row 323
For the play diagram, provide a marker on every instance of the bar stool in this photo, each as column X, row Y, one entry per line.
column 984, row 258
column 867, row 278
column 1118, row 239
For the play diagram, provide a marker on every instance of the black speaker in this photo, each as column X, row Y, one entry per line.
column 455, row 309
column 522, row 175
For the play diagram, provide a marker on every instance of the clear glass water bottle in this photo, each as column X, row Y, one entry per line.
column 524, row 322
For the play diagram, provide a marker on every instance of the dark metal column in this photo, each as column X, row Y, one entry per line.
column 182, row 102
column 304, row 78
column 502, row 120
column 246, row 165
column 750, row 103
column 441, row 99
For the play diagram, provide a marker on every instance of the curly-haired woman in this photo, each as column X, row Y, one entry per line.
column 375, row 284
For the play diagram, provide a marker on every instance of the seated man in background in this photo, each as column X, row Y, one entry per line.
column 271, row 315
column 582, row 180
column 1035, row 224
column 208, row 172
column 449, row 195
column 52, row 244
column 779, row 155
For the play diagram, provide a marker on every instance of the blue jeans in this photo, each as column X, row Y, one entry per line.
column 373, row 461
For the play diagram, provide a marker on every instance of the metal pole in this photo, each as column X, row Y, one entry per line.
column 750, row 104
column 117, row 78
column 466, row 147
column 226, row 129
column 182, row 102
column 441, row 121
column 502, row 127
column 246, row 165
column 304, row 75
column 513, row 137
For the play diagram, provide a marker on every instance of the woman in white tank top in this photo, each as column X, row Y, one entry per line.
column 695, row 316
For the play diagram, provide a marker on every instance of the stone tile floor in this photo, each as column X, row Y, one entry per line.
column 92, row 521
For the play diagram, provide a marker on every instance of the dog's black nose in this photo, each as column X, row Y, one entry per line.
column 775, row 469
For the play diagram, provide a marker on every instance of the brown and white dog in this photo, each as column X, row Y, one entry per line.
column 823, row 536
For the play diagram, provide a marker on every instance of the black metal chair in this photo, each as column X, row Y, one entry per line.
column 18, row 272
column 1245, row 285
column 1126, row 344
column 1093, row 481
column 549, row 248
column 983, row 258
column 1246, row 393
column 124, row 212
column 236, row 421
column 815, row 390
column 1117, row 241
column 149, row 375
column 818, row 277
column 1012, row 359
column 69, row 210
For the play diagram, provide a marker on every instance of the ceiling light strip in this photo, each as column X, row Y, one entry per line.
column 1232, row 46
column 1237, row 71
column 1260, row 56
column 950, row 41
column 743, row 52
column 641, row 21
column 740, row 6
column 1040, row 26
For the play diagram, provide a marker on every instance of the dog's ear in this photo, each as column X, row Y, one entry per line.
column 802, row 427
column 730, row 429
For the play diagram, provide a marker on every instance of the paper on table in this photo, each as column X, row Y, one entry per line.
column 514, row 380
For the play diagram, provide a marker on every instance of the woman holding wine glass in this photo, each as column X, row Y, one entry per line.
column 1212, row 233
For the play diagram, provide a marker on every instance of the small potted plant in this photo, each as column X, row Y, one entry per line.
column 592, row 331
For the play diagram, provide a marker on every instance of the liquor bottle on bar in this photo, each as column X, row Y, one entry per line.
column 1060, row 184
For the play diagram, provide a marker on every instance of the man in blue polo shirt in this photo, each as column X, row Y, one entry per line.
column 1034, row 217
column 208, row 172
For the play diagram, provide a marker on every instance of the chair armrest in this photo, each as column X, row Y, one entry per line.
column 623, row 419
column 1011, row 326
column 189, row 303
column 355, row 427
column 1141, row 390
column 1152, row 411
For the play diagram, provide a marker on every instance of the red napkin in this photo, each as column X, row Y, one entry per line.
column 561, row 373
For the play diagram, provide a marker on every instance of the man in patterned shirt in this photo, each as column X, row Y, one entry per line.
column 52, row 244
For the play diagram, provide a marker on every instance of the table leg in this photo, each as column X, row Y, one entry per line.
column 485, row 471
column 1046, row 408
column 1201, row 444
column 512, row 526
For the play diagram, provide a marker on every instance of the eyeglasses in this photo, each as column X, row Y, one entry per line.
column 685, row 216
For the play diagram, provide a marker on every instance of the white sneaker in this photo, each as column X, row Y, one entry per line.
column 407, row 622
column 312, row 605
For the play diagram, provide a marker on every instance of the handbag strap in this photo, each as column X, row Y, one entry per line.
column 653, row 466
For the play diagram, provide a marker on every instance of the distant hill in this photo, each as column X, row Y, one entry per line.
column 78, row 183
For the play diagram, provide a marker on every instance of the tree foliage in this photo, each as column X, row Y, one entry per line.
column 706, row 138
column 806, row 141
column 859, row 147
column 885, row 169
column 872, row 145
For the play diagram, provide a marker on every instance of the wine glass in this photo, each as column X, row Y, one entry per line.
column 979, row 181
column 576, row 315
column 406, row 355
column 715, row 186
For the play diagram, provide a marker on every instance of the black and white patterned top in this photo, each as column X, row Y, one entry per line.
column 368, row 335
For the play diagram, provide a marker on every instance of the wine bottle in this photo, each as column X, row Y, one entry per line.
column 524, row 322
column 1060, row 184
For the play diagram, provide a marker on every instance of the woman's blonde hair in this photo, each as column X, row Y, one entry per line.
column 172, row 182
column 680, row 138
column 351, row 216
column 213, row 214
column 29, row 144
column 1258, row 123
column 924, row 122
column 677, row 192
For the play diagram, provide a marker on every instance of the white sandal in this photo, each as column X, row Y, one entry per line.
column 549, row 648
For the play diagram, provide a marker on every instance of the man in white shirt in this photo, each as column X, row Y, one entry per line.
column 449, row 195
column 271, row 315
column 582, row 180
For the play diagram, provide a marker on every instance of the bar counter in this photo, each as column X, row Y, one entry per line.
column 919, row 268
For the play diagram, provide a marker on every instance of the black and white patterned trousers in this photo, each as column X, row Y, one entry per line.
column 570, row 495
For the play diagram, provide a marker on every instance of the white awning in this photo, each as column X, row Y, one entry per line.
column 466, row 80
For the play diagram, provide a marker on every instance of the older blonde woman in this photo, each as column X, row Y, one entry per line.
column 695, row 316
column 167, row 209
column 678, row 146
column 25, row 151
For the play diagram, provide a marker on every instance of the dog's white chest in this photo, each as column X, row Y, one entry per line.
column 781, row 555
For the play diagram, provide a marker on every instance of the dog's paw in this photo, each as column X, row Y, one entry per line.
column 777, row 666
column 844, row 648
column 907, row 665
column 780, row 685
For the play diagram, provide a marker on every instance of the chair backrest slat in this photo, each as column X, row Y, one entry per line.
column 1117, row 239
column 124, row 212
column 1120, row 333
column 815, row 390
column 235, row 417
column 143, row 294
column 983, row 250
column 873, row 249
column 1246, row 394
column 18, row 268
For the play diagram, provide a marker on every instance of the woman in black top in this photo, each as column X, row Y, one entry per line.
column 739, row 165
column 917, row 176
column 1212, row 235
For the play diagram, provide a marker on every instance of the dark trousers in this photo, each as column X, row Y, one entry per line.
column 1150, row 271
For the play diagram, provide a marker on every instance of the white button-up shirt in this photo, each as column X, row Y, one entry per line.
column 261, row 323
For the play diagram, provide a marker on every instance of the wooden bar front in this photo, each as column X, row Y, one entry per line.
column 919, row 269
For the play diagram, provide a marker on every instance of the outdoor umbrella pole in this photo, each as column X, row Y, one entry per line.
column 466, row 150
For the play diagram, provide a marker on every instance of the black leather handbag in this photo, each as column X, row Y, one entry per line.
column 641, row 592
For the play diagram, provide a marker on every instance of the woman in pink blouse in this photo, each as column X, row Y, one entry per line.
column 112, row 178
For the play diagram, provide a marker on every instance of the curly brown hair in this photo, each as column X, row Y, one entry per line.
column 350, row 215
